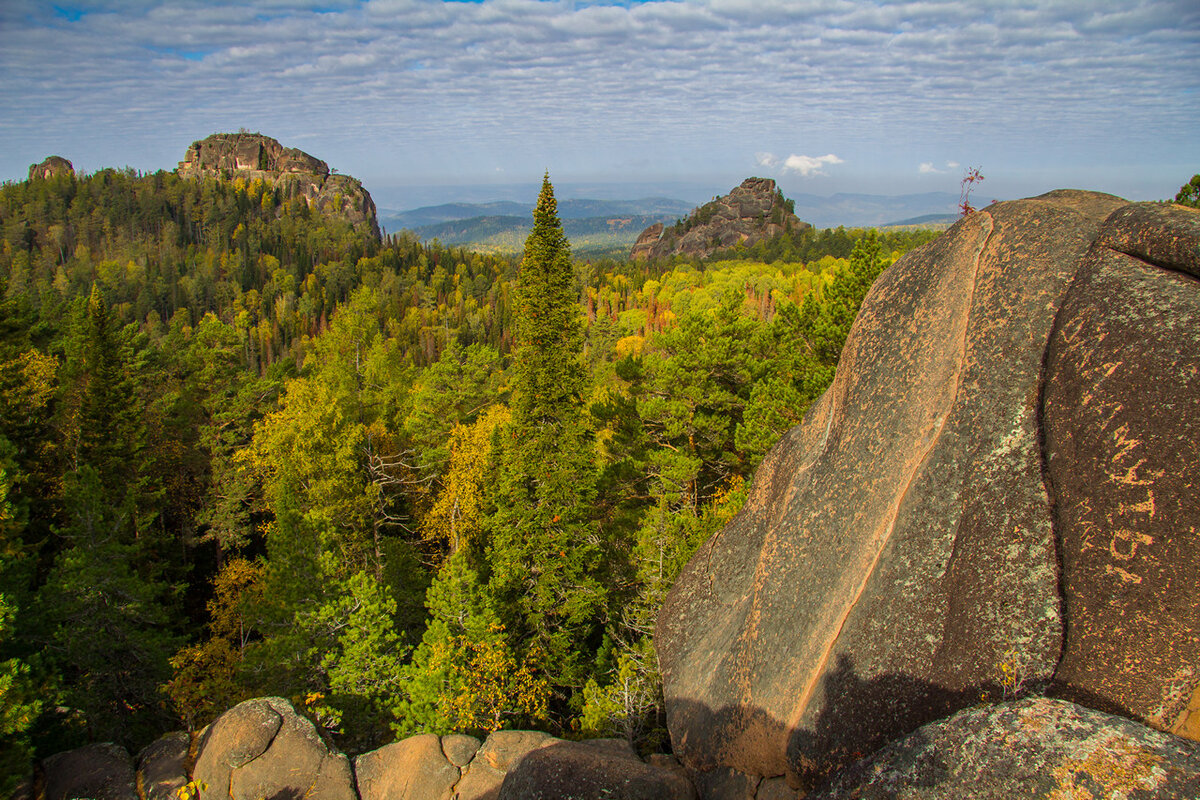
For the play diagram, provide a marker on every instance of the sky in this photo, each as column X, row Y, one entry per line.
column 825, row 96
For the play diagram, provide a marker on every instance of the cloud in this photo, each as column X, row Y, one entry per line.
column 809, row 166
column 593, row 84
column 927, row 168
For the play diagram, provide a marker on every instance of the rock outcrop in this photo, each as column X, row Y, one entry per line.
column 754, row 211
column 415, row 768
column 263, row 748
column 252, row 155
column 101, row 771
column 900, row 555
column 52, row 167
column 163, row 766
column 586, row 771
column 1037, row 748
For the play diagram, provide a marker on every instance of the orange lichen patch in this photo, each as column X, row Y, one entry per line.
column 1187, row 724
column 1114, row 767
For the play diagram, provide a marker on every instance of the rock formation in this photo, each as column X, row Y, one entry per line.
column 252, row 155
column 1036, row 748
column 52, row 167
column 263, row 748
column 754, row 211
column 900, row 555
column 99, row 771
column 592, row 771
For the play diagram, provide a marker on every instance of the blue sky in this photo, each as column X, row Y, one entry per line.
column 824, row 95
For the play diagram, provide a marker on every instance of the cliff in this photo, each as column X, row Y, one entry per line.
column 752, row 212
column 298, row 174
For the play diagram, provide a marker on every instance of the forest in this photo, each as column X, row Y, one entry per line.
column 246, row 449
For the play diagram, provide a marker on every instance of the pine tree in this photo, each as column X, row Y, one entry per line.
column 544, row 550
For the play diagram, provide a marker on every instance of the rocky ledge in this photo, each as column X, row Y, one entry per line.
column 252, row 155
column 752, row 212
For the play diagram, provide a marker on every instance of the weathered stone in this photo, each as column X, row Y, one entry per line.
column 723, row 783
column 1036, row 748
column 411, row 769
column 460, row 749
column 775, row 789
column 97, row 771
column 52, row 167
column 895, row 560
column 580, row 771
column 614, row 746
column 246, row 152
column 646, row 241
column 263, row 748
column 1122, row 420
column 752, row 212
column 162, row 766
column 501, row 750
column 294, row 173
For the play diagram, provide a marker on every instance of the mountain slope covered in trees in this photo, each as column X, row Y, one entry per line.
column 248, row 449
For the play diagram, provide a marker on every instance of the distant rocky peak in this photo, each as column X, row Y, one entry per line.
column 254, row 156
column 52, row 167
column 247, row 152
column 753, row 211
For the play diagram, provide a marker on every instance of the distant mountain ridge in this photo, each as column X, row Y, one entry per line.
column 506, row 233
column 847, row 209
column 567, row 209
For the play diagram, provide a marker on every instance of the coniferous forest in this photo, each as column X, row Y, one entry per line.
column 247, row 449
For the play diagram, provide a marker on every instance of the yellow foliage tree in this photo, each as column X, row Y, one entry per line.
column 455, row 515
column 205, row 680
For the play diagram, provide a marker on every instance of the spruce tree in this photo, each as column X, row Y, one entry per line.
column 544, row 551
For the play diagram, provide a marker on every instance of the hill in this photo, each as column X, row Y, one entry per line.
column 506, row 234
column 753, row 212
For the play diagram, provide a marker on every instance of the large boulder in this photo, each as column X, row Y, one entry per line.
column 501, row 751
column 896, row 559
column 1122, row 431
column 263, row 748
column 582, row 771
column 415, row 768
column 1037, row 748
column 98, row 771
column 163, row 767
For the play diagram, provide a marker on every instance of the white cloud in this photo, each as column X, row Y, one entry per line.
column 767, row 160
column 928, row 168
column 809, row 166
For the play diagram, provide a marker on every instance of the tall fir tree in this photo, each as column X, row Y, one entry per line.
column 544, row 548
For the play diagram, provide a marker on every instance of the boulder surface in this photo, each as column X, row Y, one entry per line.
column 98, row 771
column 415, row 768
column 1036, row 748
column 1122, row 433
column 581, row 771
column 897, row 547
